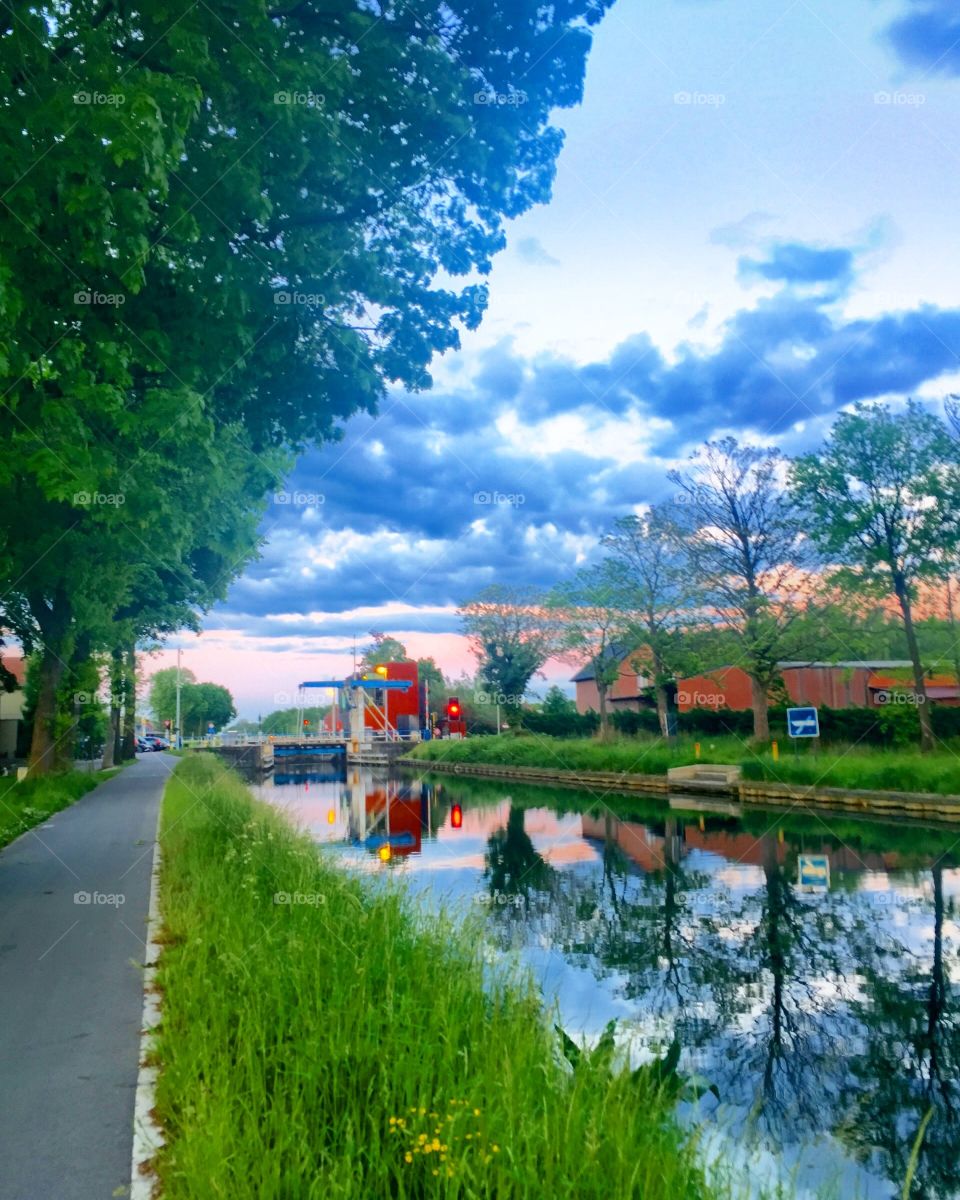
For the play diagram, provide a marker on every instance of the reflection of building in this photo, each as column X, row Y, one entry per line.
column 854, row 684
column 652, row 847
column 388, row 812
column 626, row 692
column 11, row 709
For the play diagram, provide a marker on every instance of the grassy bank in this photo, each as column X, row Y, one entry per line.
column 23, row 805
column 833, row 766
column 340, row 1047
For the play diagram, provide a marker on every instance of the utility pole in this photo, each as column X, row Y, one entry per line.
column 179, row 735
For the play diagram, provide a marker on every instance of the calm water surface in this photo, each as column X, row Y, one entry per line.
column 827, row 1019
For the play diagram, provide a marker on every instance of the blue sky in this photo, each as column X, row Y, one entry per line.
column 752, row 225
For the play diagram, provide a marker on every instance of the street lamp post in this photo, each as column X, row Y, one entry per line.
column 179, row 736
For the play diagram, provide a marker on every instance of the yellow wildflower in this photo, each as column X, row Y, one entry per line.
column 408, row 1157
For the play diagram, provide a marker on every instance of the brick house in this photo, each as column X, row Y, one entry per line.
column 853, row 684
column 626, row 692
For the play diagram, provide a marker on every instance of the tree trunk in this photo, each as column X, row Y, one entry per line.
column 660, row 692
column 913, row 647
column 43, row 747
column 761, row 706
column 602, row 699
column 129, row 736
column 111, row 746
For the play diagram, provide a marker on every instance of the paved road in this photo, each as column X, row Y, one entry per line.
column 71, row 991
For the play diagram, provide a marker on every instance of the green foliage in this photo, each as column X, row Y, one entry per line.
column 839, row 766
column 557, row 703
column 383, row 649
column 29, row 803
column 231, row 265
column 287, row 722
column 200, row 703
column 343, row 1058
column 512, row 636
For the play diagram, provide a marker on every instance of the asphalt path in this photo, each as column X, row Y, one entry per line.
column 74, row 897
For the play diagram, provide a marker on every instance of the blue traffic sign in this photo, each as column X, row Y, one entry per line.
column 813, row 872
column 803, row 722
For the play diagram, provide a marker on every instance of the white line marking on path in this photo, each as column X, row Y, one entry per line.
column 147, row 1135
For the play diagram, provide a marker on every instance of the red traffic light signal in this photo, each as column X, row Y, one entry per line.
column 456, row 816
column 167, row 723
column 306, row 723
column 453, row 709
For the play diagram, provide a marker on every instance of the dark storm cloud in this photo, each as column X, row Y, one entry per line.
column 927, row 35
column 443, row 493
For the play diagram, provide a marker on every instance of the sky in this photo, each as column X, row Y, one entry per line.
column 751, row 228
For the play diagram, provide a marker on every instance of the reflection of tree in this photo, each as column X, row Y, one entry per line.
column 782, row 986
column 513, row 866
column 911, row 1064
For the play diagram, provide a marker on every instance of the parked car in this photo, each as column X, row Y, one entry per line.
column 144, row 746
column 155, row 742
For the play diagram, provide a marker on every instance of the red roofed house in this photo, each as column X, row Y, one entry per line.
column 625, row 693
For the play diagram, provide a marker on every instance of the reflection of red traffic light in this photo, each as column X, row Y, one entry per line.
column 456, row 816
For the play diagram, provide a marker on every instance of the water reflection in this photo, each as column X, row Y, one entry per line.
column 828, row 1020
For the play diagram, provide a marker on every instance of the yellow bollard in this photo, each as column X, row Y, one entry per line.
column 696, row 749
column 776, row 752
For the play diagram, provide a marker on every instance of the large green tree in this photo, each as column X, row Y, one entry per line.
column 512, row 634
column 882, row 498
column 225, row 232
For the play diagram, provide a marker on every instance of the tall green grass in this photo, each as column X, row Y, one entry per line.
column 840, row 766
column 23, row 805
column 346, row 1048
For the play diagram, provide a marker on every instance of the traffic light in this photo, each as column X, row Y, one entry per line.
column 381, row 670
column 453, row 709
column 306, row 723
column 456, row 816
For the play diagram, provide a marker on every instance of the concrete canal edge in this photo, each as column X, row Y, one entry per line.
column 886, row 804
column 147, row 1134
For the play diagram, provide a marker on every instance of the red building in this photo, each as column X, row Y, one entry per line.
column 852, row 684
column 397, row 709
column 626, row 692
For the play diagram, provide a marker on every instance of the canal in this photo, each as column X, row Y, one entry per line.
column 825, row 1015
